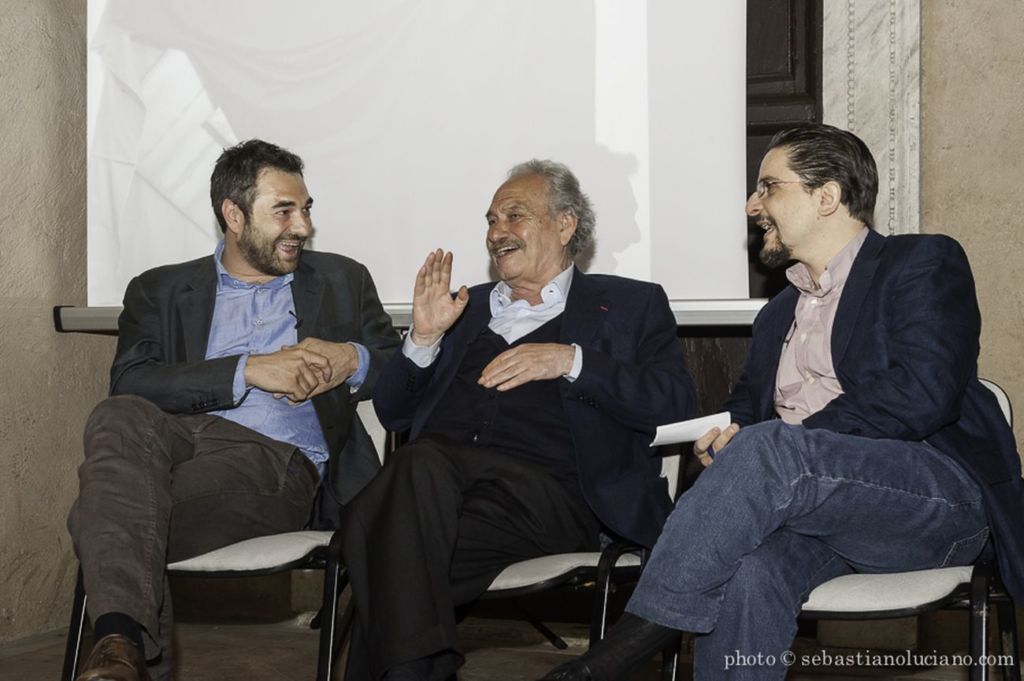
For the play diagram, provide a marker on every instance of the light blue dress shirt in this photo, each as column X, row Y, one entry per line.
column 258, row 319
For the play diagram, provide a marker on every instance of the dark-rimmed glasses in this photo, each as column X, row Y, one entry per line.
column 764, row 186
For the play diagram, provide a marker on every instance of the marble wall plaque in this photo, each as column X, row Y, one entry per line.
column 871, row 68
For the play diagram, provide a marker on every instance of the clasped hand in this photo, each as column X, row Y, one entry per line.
column 302, row 371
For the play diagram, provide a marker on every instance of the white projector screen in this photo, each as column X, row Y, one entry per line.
column 409, row 112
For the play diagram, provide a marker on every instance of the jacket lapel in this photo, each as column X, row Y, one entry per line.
column 307, row 294
column 195, row 310
column 854, row 293
column 468, row 327
column 779, row 327
column 585, row 310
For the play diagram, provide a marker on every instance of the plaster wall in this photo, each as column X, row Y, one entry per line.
column 50, row 381
column 972, row 164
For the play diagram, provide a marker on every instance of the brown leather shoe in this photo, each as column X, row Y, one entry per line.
column 114, row 658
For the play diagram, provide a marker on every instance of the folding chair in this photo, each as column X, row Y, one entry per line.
column 618, row 563
column 252, row 557
column 905, row 594
column 272, row 554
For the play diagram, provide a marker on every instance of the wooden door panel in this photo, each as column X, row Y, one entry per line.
column 783, row 90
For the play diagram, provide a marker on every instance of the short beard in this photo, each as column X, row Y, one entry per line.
column 259, row 253
column 777, row 256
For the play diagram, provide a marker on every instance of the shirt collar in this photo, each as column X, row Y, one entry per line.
column 554, row 293
column 835, row 274
column 225, row 280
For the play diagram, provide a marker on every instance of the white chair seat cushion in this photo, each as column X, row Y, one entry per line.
column 897, row 591
column 529, row 572
column 260, row 553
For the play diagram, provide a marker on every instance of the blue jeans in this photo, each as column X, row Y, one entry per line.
column 783, row 509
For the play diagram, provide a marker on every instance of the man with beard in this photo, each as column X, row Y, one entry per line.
column 234, row 389
column 862, row 441
column 531, row 405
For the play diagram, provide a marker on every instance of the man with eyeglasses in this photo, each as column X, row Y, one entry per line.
column 862, row 440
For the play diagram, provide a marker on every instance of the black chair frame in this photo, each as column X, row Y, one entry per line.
column 984, row 590
column 327, row 558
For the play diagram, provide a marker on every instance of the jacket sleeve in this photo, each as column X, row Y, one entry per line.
column 649, row 388
column 142, row 365
column 377, row 335
column 930, row 326
column 399, row 391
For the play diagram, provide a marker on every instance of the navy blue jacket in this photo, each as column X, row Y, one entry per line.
column 905, row 349
column 633, row 379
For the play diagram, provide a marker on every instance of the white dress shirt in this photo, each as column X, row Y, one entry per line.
column 512, row 319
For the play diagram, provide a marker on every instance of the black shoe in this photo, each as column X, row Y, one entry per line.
column 404, row 675
column 573, row 670
column 630, row 643
column 414, row 670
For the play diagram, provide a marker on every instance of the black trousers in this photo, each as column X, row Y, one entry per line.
column 431, row 532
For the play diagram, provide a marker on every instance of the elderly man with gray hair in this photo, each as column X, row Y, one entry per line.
column 530, row 405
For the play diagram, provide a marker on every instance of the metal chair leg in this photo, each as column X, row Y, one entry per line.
column 344, row 628
column 333, row 584
column 1008, row 643
column 544, row 630
column 599, row 616
column 605, row 566
column 670, row 661
column 73, row 647
column 981, row 581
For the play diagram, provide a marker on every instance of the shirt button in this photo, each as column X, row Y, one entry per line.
column 475, row 437
column 803, row 338
column 259, row 322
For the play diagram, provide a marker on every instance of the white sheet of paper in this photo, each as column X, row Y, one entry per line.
column 690, row 430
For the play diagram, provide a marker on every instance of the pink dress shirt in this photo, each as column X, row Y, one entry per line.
column 806, row 380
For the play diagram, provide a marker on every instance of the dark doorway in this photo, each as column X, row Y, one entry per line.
column 783, row 90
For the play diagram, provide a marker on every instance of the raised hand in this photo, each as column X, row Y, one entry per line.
column 527, row 362
column 434, row 308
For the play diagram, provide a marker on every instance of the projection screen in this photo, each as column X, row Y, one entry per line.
column 408, row 114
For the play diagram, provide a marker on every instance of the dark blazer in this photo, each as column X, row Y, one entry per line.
column 165, row 325
column 905, row 349
column 633, row 379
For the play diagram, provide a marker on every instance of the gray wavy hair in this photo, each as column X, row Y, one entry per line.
column 564, row 196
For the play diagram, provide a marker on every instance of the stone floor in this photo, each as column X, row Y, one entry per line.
column 496, row 650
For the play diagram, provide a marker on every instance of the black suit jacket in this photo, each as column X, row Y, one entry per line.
column 633, row 379
column 164, row 328
column 905, row 349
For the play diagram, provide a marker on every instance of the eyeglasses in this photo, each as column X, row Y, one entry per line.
column 764, row 186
